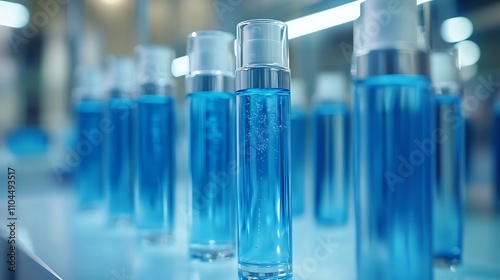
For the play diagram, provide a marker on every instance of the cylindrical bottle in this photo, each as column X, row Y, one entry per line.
column 298, row 132
column 89, row 111
column 263, row 139
column 155, row 188
column 119, row 157
column 331, row 150
column 496, row 152
column 448, row 190
column 212, row 158
column 393, row 145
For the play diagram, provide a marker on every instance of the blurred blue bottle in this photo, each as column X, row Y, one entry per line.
column 448, row 191
column 496, row 152
column 393, row 145
column 331, row 150
column 155, row 188
column 263, row 139
column 298, row 132
column 212, row 131
column 119, row 157
column 89, row 111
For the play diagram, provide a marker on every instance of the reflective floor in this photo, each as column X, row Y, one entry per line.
column 81, row 246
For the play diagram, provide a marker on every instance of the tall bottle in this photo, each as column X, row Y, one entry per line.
column 448, row 191
column 119, row 158
column 331, row 150
column 496, row 153
column 155, row 188
column 212, row 131
column 298, row 132
column 89, row 111
column 263, row 139
column 393, row 145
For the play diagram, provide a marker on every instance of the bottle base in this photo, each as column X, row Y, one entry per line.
column 211, row 253
column 254, row 272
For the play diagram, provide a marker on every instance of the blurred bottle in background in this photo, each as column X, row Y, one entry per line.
column 331, row 150
column 298, row 131
column 496, row 151
column 448, row 187
column 119, row 157
column 212, row 147
column 89, row 112
column 155, row 136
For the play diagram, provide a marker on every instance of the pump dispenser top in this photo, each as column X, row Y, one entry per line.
column 386, row 39
column 88, row 83
column 154, row 75
column 298, row 94
column 262, row 42
column 211, row 51
column 330, row 87
column 211, row 61
column 120, row 73
column 262, row 54
column 445, row 73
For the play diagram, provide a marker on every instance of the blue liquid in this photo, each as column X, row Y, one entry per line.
column 119, row 161
column 89, row 145
column 298, row 159
column 448, row 190
column 213, row 175
column 156, row 167
column 331, row 172
column 496, row 153
column 264, row 210
column 392, row 177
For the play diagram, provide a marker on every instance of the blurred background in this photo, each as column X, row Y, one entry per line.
column 42, row 42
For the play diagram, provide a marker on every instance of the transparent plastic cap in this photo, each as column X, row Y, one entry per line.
column 211, row 50
column 88, row 82
column 154, row 68
column 298, row 93
column 445, row 72
column 120, row 73
column 387, row 24
column 330, row 87
column 262, row 42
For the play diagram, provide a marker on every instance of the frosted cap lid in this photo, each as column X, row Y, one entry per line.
column 88, row 82
column 120, row 71
column 298, row 93
column 387, row 24
column 330, row 87
column 211, row 50
column 154, row 64
column 444, row 68
column 262, row 42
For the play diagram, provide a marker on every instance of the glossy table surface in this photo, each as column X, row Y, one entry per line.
column 79, row 245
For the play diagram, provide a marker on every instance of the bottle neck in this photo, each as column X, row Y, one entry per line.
column 209, row 82
column 262, row 77
column 392, row 61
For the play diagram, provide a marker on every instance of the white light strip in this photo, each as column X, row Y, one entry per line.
column 13, row 14
column 300, row 27
column 323, row 20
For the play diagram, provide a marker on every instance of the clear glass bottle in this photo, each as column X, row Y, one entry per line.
column 155, row 188
column 448, row 191
column 119, row 158
column 331, row 150
column 263, row 139
column 211, row 102
column 89, row 113
column 393, row 145
column 298, row 132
